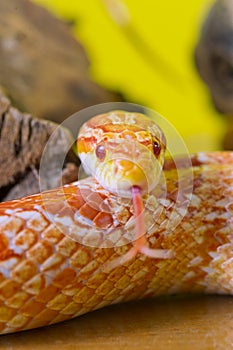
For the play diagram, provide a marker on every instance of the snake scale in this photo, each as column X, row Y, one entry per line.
column 54, row 246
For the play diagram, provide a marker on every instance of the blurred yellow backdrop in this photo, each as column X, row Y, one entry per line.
column 163, row 76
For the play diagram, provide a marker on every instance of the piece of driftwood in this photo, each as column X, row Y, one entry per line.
column 43, row 67
column 214, row 61
column 22, row 143
column 214, row 55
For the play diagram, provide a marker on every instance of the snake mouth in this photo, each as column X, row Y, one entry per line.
column 119, row 176
column 135, row 189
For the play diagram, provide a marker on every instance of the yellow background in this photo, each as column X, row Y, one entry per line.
column 170, row 29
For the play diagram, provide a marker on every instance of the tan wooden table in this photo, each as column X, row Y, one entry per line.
column 200, row 323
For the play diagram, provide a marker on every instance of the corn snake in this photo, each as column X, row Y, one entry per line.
column 49, row 274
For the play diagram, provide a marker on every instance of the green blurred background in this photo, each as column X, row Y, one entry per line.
column 145, row 50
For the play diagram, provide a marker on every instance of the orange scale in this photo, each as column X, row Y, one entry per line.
column 47, row 294
column 67, row 211
column 8, row 288
column 3, row 242
column 88, row 212
column 64, row 278
column 12, row 226
column 32, row 308
column 53, row 207
column 7, row 253
column 76, row 202
column 25, row 239
column 103, row 220
column 95, row 200
column 24, row 271
column 40, row 252
column 6, row 313
column 104, row 207
column 52, row 234
column 84, row 193
column 35, row 284
column 45, row 317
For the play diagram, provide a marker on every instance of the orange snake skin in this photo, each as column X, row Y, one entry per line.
column 46, row 276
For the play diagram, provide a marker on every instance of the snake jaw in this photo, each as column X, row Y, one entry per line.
column 123, row 176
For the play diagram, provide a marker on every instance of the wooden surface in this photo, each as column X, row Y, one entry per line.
column 196, row 322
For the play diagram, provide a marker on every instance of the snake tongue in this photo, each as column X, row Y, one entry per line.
column 139, row 217
column 140, row 234
column 139, row 245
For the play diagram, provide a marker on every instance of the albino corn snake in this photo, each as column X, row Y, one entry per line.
column 54, row 246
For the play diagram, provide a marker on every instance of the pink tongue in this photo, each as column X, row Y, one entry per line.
column 140, row 234
column 139, row 244
column 139, row 217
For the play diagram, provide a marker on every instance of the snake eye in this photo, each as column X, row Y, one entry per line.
column 156, row 148
column 100, row 152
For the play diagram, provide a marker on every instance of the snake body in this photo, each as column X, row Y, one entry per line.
column 53, row 245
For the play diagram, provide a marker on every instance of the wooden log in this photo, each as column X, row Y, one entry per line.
column 214, row 55
column 22, row 142
column 42, row 66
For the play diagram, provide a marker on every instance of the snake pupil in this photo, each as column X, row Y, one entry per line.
column 156, row 148
column 100, row 152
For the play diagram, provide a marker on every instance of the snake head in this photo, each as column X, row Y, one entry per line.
column 121, row 150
